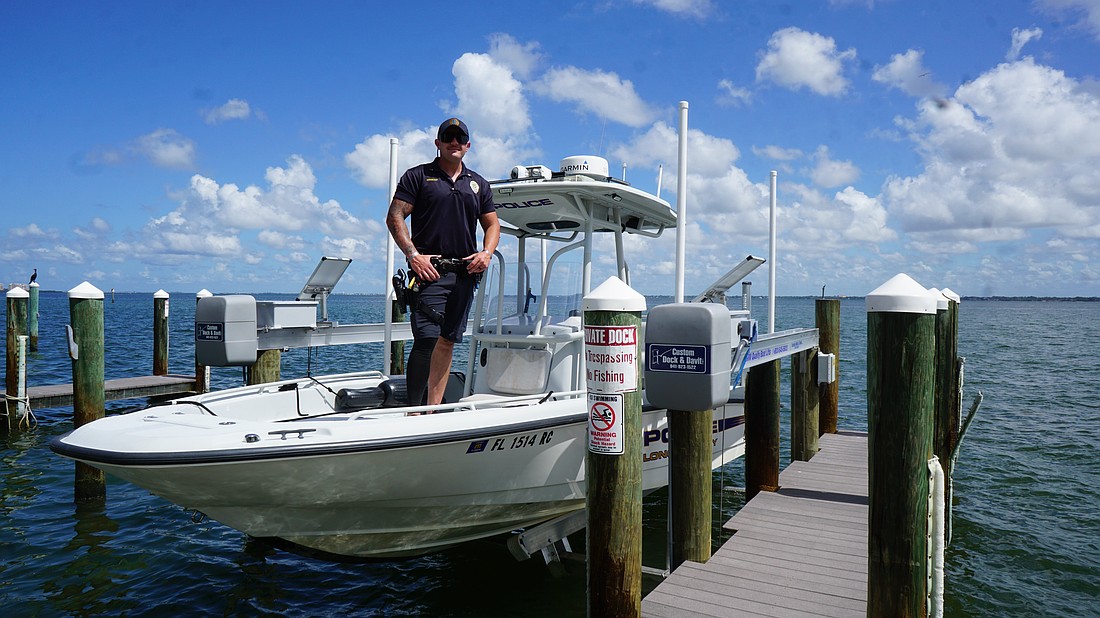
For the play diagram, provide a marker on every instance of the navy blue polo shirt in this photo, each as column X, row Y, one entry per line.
column 445, row 213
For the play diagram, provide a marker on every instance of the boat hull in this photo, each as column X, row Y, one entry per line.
column 369, row 488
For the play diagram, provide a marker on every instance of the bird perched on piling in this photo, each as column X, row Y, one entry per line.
column 34, row 276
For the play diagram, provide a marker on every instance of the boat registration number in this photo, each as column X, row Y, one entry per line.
column 508, row 443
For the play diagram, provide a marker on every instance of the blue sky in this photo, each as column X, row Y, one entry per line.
column 229, row 146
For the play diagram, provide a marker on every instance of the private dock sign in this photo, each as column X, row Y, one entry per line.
column 610, row 356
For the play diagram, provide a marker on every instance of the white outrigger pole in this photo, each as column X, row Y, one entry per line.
column 681, row 202
column 391, row 246
column 771, row 257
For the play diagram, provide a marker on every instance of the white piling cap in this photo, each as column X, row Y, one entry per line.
column 941, row 300
column 951, row 294
column 614, row 295
column 18, row 293
column 86, row 291
column 34, row 284
column 160, row 294
column 901, row 294
column 203, row 293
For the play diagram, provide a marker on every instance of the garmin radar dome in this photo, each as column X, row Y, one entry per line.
column 585, row 165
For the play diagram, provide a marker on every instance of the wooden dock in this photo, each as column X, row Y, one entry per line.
column 61, row 395
column 799, row 551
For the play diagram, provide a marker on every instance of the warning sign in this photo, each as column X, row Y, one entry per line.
column 611, row 358
column 605, row 424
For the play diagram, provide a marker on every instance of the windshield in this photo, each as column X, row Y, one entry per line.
column 522, row 304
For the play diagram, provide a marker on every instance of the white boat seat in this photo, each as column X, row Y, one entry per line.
column 517, row 371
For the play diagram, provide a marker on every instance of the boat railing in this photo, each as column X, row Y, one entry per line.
column 538, row 339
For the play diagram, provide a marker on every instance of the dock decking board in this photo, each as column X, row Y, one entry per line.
column 799, row 551
column 61, row 395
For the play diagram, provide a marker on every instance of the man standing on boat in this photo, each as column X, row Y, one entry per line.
column 446, row 199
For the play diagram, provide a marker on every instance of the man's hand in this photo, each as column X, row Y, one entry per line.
column 422, row 265
column 477, row 262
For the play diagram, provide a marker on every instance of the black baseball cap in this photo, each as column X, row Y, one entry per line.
column 452, row 122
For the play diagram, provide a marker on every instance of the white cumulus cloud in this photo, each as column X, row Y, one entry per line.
column 681, row 8
column 831, row 173
column 520, row 58
column 212, row 215
column 1021, row 38
column 233, row 109
column 602, row 93
column 1014, row 149
column 907, row 73
column 799, row 59
column 167, row 148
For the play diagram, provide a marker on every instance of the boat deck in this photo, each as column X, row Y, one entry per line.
column 799, row 551
column 61, row 395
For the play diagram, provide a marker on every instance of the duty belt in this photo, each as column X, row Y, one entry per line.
column 451, row 265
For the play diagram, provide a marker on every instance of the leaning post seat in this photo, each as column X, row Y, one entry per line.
column 389, row 394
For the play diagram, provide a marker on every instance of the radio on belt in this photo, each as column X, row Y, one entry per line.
column 225, row 330
column 687, row 348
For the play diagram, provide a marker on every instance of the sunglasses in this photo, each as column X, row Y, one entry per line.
column 462, row 138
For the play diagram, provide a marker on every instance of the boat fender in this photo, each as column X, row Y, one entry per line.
column 396, row 392
column 354, row 399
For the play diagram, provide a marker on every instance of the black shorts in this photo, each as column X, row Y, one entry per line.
column 450, row 297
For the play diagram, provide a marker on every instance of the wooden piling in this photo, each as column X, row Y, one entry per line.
column 266, row 369
column 614, row 480
column 160, row 333
column 762, row 429
column 827, row 321
column 901, row 320
column 202, row 372
column 32, row 317
column 16, row 326
column 16, row 307
column 690, row 488
column 86, row 321
column 805, row 405
column 947, row 398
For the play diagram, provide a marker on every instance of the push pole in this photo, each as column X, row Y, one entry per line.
column 613, row 465
column 16, row 326
column 86, row 351
column 160, row 333
column 901, row 345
